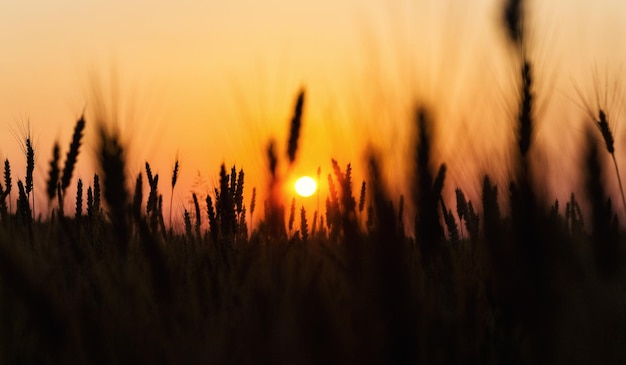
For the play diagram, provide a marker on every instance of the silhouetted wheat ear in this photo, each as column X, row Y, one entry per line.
column 525, row 116
column 233, row 183
column 53, row 174
column 362, row 197
column 448, row 218
column 242, row 228
column 513, row 20
column 253, row 202
column 461, row 208
column 349, row 203
column 96, row 193
column 113, row 166
column 239, row 192
column 334, row 197
column 23, row 206
column 198, row 216
column 461, row 204
column 149, row 173
column 153, row 181
column 294, row 130
column 272, row 158
column 213, row 225
column 292, row 214
column 472, row 222
column 72, row 154
column 30, row 166
column 79, row 199
column 187, row 220
column 161, row 221
column 174, row 180
column 605, row 130
column 7, row 177
column 175, row 174
column 90, row 211
column 304, row 226
column 7, row 183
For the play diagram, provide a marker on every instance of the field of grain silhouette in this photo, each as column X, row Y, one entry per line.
column 441, row 241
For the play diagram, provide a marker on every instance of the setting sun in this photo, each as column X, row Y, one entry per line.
column 305, row 186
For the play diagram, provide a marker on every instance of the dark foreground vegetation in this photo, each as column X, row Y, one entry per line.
column 356, row 282
column 109, row 282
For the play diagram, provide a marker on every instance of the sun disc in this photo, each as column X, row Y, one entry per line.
column 305, row 186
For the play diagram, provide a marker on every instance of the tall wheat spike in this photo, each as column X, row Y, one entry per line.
column 174, row 180
column 187, row 220
column 96, row 193
column 239, row 192
column 362, row 197
column 198, row 215
column 90, row 211
column 272, row 158
column 72, row 154
column 53, row 174
column 304, row 226
column 7, row 180
column 252, row 205
column 30, row 168
column 513, row 20
column 79, row 199
column 526, row 109
column 294, row 130
column 292, row 214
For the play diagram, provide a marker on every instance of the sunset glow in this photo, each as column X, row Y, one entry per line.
column 305, row 186
column 214, row 83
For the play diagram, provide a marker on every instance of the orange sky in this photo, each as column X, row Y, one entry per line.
column 213, row 81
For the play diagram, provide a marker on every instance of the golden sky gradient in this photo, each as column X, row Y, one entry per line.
column 212, row 81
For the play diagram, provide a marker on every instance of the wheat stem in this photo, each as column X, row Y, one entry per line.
column 619, row 180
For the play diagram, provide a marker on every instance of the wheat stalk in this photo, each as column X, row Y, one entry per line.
column 607, row 135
